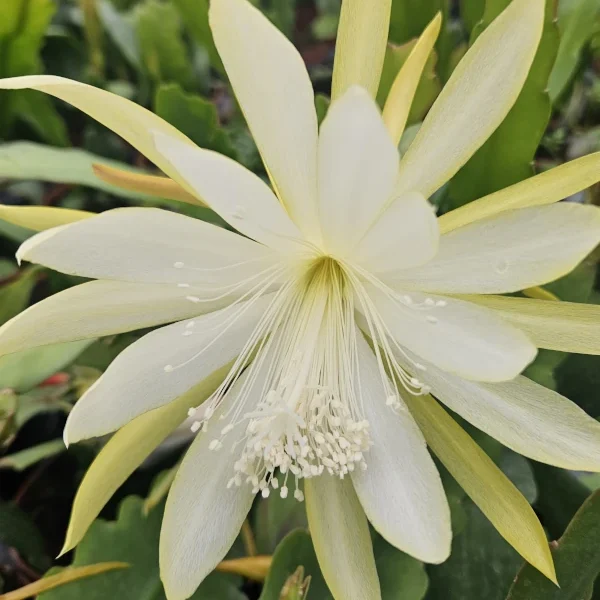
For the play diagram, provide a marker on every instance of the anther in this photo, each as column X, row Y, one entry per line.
column 179, row 265
column 168, row 368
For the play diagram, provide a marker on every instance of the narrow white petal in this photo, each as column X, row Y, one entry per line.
column 147, row 245
column 512, row 251
column 100, row 308
column 202, row 517
column 274, row 90
column 340, row 534
column 456, row 336
column 483, row 88
column 234, row 192
column 400, row 490
column 160, row 367
column 405, row 235
column 358, row 168
column 524, row 416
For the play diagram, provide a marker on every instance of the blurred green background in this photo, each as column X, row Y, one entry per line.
column 160, row 54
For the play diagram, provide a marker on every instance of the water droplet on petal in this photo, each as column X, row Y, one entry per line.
column 501, row 266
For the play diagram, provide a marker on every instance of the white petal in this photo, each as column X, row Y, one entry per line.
column 400, row 490
column 483, row 88
column 131, row 121
column 512, row 251
column 358, row 168
column 202, row 517
column 340, row 534
column 405, row 235
column 148, row 245
column 524, row 416
column 456, row 336
column 100, row 308
column 234, row 192
column 274, row 90
column 160, row 367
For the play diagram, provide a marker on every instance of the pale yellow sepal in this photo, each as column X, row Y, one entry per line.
column 539, row 293
column 546, row 188
column 39, row 218
column 132, row 122
column 251, row 567
column 484, row 482
column 340, row 534
column 402, row 93
column 563, row 326
column 360, row 48
column 66, row 576
column 161, row 187
column 124, row 453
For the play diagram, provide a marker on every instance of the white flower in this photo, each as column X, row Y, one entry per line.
column 340, row 303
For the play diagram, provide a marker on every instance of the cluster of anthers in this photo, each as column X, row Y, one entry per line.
column 301, row 363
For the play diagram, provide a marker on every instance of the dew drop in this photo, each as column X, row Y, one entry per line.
column 501, row 266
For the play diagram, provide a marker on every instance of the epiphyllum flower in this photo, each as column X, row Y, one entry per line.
column 343, row 301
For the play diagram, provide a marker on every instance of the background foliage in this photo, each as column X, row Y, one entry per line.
column 160, row 53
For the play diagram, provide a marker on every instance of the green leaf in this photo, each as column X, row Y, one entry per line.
column 410, row 17
column 543, row 367
column 24, row 370
column 561, row 495
column 322, row 103
column 22, row 30
column 506, row 158
column 27, row 160
column 14, row 296
column 65, row 577
column 471, row 12
column 274, row 519
column 195, row 18
column 577, row 559
column 19, row 461
column 121, row 29
column 160, row 488
column 38, row 111
column 18, row 531
column 577, row 22
column 429, row 86
column 482, row 564
column 133, row 538
column 296, row 550
column 163, row 52
column 194, row 116
column 401, row 576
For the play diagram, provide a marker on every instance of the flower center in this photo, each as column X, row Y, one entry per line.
column 308, row 417
column 292, row 402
